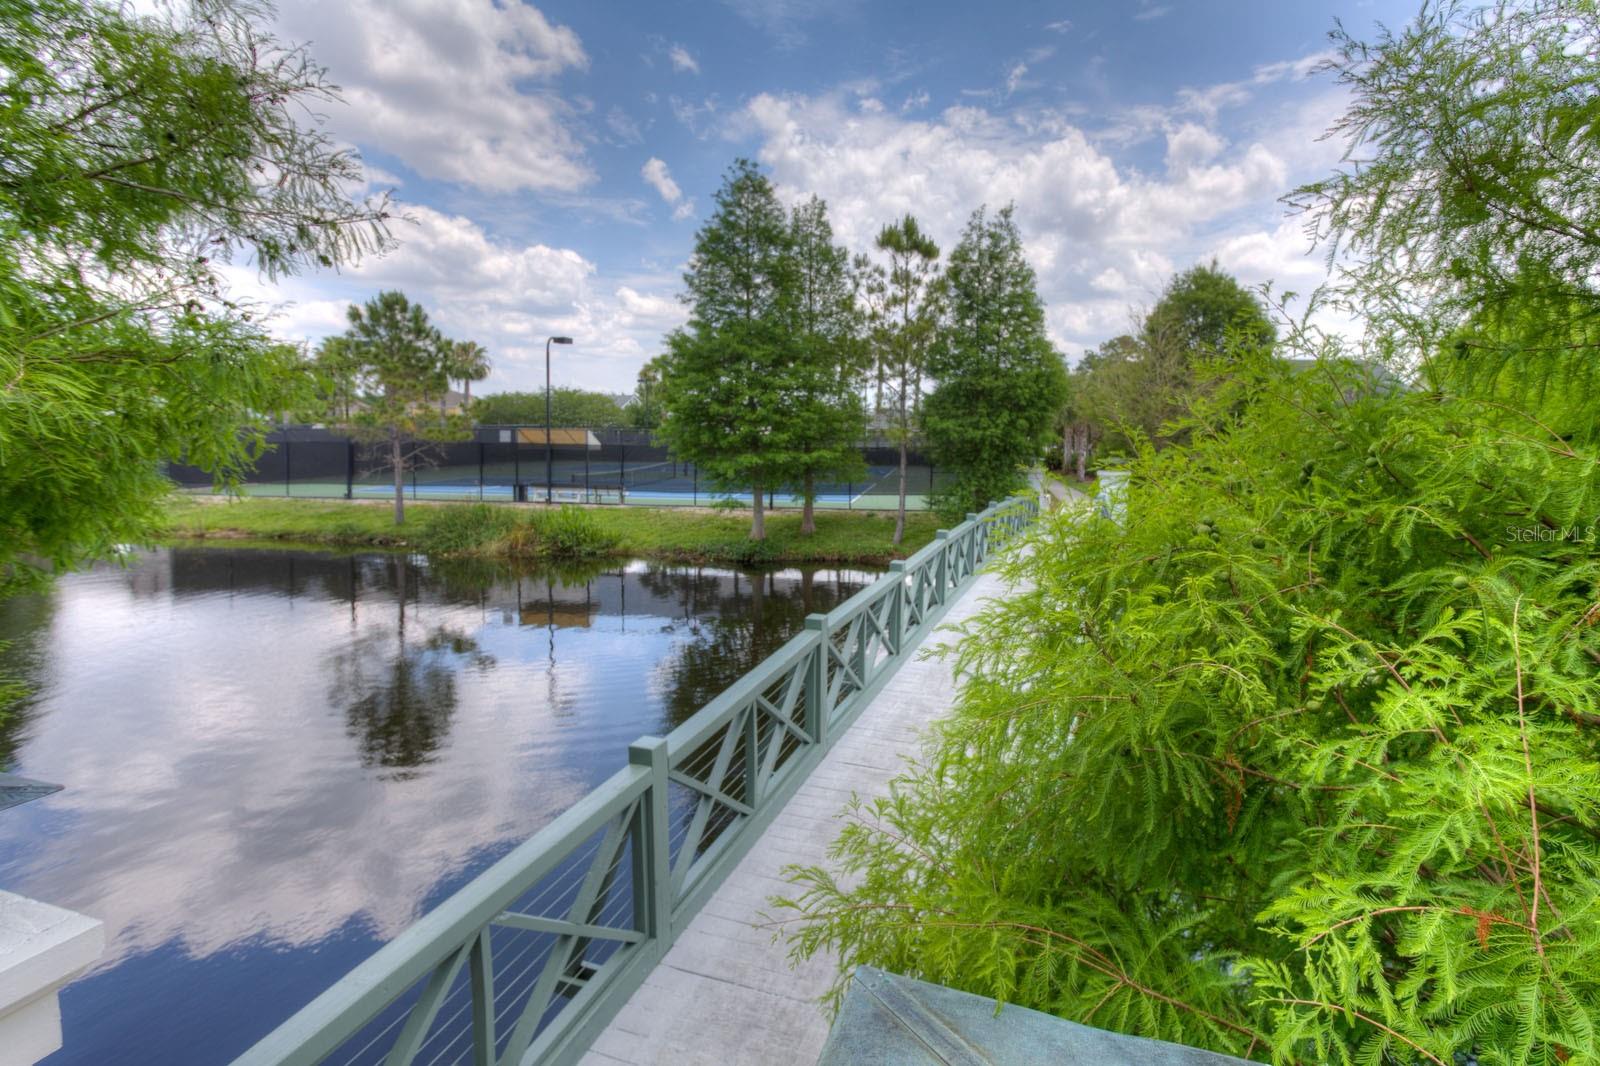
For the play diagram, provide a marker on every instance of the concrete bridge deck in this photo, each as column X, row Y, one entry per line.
column 725, row 992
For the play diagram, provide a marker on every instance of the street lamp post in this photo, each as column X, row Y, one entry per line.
column 549, row 445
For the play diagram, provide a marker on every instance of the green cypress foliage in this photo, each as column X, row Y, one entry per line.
column 828, row 415
column 1000, row 382
column 1468, row 207
column 137, row 155
column 728, row 387
column 1299, row 762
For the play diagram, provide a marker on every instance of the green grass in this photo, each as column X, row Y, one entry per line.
column 505, row 530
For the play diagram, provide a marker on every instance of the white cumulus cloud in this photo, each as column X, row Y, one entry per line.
column 450, row 87
column 1103, row 236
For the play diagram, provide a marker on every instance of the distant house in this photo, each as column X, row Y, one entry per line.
column 453, row 402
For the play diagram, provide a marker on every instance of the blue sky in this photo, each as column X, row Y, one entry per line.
column 555, row 160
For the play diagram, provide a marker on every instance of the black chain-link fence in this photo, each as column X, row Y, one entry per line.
column 511, row 463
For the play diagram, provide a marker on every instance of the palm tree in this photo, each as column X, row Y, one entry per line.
column 469, row 362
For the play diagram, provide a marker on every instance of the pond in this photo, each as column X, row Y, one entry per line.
column 275, row 761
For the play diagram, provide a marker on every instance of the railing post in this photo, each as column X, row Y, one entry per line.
column 897, row 614
column 942, row 538
column 973, row 556
column 652, row 874
column 481, row 976
column 817, row 709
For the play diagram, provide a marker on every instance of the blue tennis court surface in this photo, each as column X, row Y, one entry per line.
column 664, row 484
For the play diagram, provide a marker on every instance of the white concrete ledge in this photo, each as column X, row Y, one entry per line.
column 41, row 948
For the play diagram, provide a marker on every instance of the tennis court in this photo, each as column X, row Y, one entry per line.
column 507, row 464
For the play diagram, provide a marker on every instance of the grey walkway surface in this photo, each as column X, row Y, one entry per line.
column 725, row 993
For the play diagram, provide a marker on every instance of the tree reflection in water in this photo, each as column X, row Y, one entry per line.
column 738, row 619
column 275, row 759
column 399, row 692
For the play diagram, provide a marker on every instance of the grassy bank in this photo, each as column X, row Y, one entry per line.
column 507, row 531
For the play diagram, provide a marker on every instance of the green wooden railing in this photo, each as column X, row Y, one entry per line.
column 530, row 960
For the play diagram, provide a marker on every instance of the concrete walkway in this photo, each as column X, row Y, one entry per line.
column 725, row 992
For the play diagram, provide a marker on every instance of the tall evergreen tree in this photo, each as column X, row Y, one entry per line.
column 828, row 415
column 729, row 385
column 1000, row 382
column 401, row 364
column 901, row 302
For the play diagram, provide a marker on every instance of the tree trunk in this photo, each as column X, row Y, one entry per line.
column 1069, row 438
column 396, row 457
column 1083, row 454
column 905, row 435
column 758, row 514
column 808, row 520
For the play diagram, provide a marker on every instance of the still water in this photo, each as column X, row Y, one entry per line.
column 275, row 761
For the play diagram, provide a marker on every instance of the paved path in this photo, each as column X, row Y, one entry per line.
column 725, row 992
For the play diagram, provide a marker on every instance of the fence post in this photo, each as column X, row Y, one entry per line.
column 652, row 875
column 480, row 471
column 897, row 613
column 942, row 538
column 817, row 708
column 481, row 978
column 286, row 491
column 349, row 469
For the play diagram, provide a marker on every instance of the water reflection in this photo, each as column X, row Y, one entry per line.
column 276, row 760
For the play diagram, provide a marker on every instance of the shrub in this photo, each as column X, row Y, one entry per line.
column 566, row 533
column 455, row 529
column 571, row 533
column 1299, row 761
column 743, row 552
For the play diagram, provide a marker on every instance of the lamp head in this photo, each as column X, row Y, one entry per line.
column 561, row 340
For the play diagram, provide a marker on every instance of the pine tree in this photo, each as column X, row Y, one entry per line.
column 730, row 383
column 1001, row 383
column 902, row 314
column 401, row 364
column 828, row 417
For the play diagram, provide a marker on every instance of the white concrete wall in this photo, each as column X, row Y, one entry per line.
column 41, row 948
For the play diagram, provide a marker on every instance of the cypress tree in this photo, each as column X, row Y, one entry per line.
column 1000, row 382
column 828, row 416
column 902, row 310
column 729, row 384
